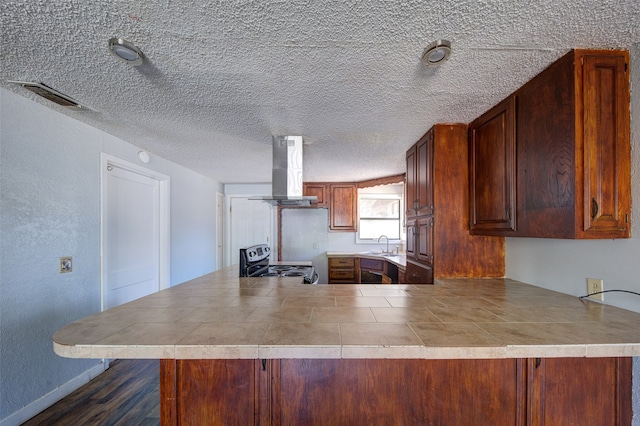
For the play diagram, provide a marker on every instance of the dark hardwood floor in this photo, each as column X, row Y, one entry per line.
column 126, row 394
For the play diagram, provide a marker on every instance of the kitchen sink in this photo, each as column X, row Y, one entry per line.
column 379, row 253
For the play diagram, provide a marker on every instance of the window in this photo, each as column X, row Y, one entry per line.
column 379, row 215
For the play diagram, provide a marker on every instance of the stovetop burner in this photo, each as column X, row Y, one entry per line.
column 276, row 268
column 294, row 274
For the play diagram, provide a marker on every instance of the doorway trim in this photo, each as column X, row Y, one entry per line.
column 164, row 223
column 220, row 217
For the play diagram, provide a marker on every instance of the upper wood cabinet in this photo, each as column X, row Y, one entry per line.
column 319, row 190
column 606, row 133
column 492, row 169
column 438, row 241
column 343, row 213
column 341, row 198
column 419, row 189
column 572, row 153
column 411, row 183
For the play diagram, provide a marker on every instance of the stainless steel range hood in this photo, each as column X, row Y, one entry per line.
column 286, row 182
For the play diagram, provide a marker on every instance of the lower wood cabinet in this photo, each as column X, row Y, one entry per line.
column 579, row 391
column 342, row 270
column 560, row 391
column 418, row 273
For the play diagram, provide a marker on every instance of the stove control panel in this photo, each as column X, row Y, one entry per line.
column 257, row 253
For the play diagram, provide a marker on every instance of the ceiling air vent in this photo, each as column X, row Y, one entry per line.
column 54, row 96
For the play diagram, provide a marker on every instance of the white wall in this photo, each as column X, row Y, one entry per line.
column 50, row 207
column 565, row 265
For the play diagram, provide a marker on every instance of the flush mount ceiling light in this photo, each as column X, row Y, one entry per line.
column 125, row 51
column 436, row 53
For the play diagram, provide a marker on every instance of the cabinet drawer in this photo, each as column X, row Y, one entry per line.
column 372, row 265
column 342, row 274
column 419, row 274
column 342, row 262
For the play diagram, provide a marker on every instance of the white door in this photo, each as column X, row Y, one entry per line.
column 131, row 235
column 251, row 223
column 219, row 229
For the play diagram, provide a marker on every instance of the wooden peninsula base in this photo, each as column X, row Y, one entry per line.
column 585, row 391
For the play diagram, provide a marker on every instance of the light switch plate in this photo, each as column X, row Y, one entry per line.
column 65, row 264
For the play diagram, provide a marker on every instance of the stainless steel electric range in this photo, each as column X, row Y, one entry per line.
column 254, row 262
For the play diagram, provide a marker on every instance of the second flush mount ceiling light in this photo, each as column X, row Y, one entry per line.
column 125, row 51
column 436, row 53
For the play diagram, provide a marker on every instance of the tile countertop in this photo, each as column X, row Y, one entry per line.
column 222, row 316
column 398, row 259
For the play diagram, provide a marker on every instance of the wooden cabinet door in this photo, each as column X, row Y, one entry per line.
column 316, row 189
column 492, row 170
column 412, row 233
column 344, row 207
column 411, row 198
column 424, row 244
column 209, row 391
column 605, row 99
column 373, row 265
column 397, row 392
column 579, row 391
column 424, row 174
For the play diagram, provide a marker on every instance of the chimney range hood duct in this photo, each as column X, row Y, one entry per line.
column 286, row 182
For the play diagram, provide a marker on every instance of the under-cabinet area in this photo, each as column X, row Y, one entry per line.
column 552, row 160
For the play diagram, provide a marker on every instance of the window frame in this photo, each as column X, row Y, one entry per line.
column 382, row 196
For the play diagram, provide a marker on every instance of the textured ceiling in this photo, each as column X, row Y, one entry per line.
column 221, row 77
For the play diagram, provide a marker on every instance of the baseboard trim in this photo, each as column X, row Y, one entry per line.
column 54, row 396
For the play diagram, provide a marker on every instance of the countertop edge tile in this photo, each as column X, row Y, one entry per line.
column 299, row 352
column 613, row 350
column 400, row 260
column 546, row 351
column 71, row 351
column 382, row 352
column 464, row 352
column 134, row 352
column 216, row 352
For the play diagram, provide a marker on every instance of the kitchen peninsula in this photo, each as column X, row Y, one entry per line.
column 275, row 351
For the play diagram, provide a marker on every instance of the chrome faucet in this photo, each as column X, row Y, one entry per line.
column 380, row 237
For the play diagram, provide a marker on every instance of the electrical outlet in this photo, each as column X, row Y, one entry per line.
column 595, row 286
